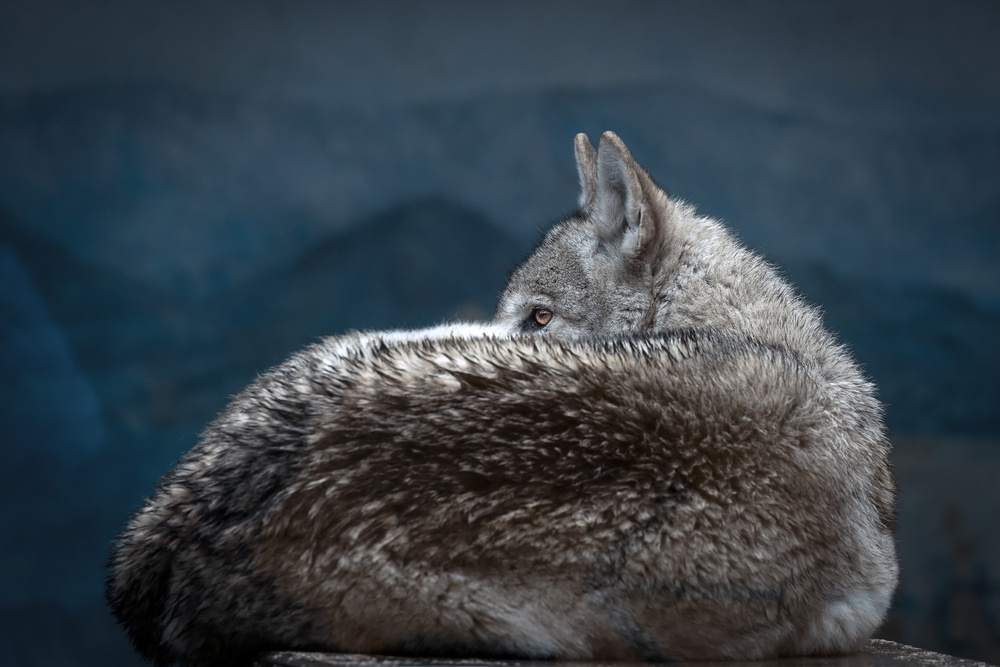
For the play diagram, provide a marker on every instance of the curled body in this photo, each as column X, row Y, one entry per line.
column 655, row 451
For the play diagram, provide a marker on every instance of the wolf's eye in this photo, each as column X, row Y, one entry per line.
column 541, row 316
column 535, row 321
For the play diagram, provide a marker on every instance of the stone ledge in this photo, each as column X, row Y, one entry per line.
column 877, row 653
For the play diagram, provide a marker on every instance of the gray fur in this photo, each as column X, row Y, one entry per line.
column 681, row 463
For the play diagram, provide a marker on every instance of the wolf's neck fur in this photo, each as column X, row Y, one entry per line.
column 703, row 278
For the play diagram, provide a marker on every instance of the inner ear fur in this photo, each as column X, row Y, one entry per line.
column 621, row 202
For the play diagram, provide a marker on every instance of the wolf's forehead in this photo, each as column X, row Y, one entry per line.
column 560, row 261
column 569, row 244
column 576, row 232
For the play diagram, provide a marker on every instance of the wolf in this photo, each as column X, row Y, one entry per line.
column 654, row 451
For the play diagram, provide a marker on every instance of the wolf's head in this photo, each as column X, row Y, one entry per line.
column 593, row 273
column 634, row 260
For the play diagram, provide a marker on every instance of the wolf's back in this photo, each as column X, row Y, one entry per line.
column 377, row 497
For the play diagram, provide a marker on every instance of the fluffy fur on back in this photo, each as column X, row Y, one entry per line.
column 677, row 462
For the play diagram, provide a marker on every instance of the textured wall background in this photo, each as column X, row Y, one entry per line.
column 190, row 191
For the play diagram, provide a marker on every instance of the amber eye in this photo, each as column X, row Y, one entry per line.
column 542, row 316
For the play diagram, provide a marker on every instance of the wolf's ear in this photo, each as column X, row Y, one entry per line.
column 621, row 207
column 586, row 167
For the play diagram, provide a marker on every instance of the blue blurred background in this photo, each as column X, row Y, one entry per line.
column 190, row 191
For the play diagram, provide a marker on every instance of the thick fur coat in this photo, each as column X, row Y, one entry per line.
column 655, row 451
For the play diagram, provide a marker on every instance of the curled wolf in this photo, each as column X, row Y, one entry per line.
column 654, row 451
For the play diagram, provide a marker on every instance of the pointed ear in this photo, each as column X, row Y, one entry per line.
column 621, row 206
column 586, row 167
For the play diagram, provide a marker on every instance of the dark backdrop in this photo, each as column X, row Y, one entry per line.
column 189, row 191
